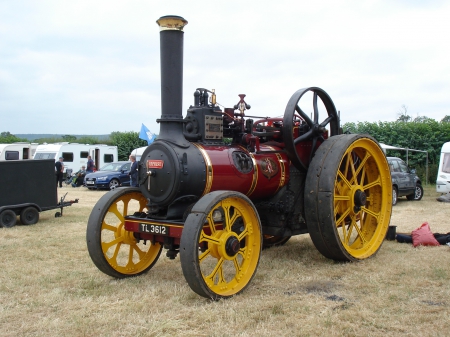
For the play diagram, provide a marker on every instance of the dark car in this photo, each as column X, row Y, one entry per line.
column 405, row 182
column 110, row 176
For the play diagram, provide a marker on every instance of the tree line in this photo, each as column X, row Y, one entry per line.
column 422, row 133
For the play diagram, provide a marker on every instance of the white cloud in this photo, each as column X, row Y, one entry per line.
column 99, row 61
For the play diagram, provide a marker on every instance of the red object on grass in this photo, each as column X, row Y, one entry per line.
column 423, row 236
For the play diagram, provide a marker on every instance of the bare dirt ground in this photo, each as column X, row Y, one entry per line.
column 50, row 287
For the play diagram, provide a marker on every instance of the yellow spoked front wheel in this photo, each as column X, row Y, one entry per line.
column 221, row 244
column 114, row 250
column 348, row 197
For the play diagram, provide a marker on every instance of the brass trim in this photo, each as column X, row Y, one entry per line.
column 255, row 175
column 171, row 22
column 283, row 172
column 209, row 168
column 282, row 167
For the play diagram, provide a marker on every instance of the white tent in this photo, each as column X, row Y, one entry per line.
column 390, row 147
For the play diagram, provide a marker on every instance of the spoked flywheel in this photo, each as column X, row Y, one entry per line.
column 114, row 250
column 300, row 132
column 348, row 197
column 221, row 244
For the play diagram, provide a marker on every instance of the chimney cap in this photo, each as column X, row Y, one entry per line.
column 171, row 22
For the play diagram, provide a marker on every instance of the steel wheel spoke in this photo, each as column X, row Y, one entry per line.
column 211, row 223
column 327, row 120
column 209, row 239
column 372, row 184
column 109, row 227
column 303, row 137
column 304, row 116
column 107, row 245
column 217, row 270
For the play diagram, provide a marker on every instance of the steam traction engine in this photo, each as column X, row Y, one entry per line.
column 218, row 205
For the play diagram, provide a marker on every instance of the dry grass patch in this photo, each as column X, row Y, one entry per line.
column 50, row 287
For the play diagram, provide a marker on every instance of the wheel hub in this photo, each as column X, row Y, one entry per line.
column 232, row 246
column 360, row 199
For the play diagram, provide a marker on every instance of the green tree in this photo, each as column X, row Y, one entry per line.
column 7, row 138
column 126, row 142
column 92, row 140
column 422, row 119
column 426, row 135
column 403, row 114
column 69, row 138
column 446, row 119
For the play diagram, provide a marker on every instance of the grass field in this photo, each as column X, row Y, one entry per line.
column 50, row 287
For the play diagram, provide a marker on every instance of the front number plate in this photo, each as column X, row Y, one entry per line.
column 154, row 229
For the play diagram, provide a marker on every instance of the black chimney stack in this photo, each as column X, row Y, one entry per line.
column 171, row 49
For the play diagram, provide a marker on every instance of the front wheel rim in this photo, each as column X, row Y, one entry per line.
column 225, row 249
column 113, row 249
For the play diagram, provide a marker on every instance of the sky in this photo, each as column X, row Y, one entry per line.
column 93, row 67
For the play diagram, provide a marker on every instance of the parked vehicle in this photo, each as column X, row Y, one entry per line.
column 28, row 187
column 405, row 182
column 17, row 151
column 443, row 175
column 75, row 155
column 110, row 176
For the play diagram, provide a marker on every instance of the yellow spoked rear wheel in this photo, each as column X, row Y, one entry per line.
column 221, row 244
column 114, row 250
column 348, row 197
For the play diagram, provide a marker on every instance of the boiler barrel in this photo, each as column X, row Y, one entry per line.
column 200, row 169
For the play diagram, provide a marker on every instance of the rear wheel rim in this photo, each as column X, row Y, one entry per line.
column 351, row 212
column 369, row 216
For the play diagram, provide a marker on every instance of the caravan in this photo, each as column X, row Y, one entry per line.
column 443, row 175
column 138, row 152
column 75, row 155
column 17, row 151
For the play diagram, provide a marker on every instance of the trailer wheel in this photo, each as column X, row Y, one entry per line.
column 8, row 218
column 114, row 250
column 348, row 197
column 29, row 216
column 221, row 244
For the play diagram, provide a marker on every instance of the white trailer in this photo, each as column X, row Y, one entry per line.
column 443, row 175
column 17, row 151
column 75, row 154
column 138, row 152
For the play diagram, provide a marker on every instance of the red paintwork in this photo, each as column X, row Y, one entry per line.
column 225, row 176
